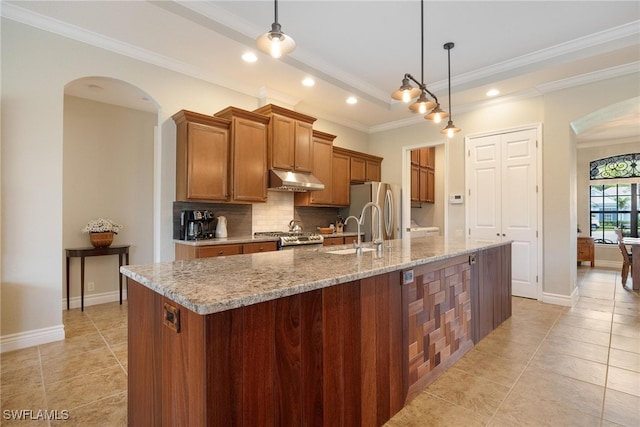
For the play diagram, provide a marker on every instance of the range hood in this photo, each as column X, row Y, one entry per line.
column 293, row 181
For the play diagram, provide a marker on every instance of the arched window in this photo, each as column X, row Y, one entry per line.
column 613, row 196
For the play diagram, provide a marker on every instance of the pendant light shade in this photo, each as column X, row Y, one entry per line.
column 406, row 92
column 437, row 114
column 450, row 129
column 275, row 42
column 422, row 104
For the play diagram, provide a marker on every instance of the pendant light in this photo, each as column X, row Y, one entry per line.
column 275, row 42
column 450, row 129
column 407, row 92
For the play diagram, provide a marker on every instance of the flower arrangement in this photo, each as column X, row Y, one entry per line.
column 101, row 225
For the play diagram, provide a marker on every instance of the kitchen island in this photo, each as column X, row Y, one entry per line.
column 307, row 336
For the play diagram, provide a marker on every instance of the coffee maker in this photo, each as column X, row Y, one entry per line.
column 196, row 224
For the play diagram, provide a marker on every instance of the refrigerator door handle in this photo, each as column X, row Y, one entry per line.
column 388, row 213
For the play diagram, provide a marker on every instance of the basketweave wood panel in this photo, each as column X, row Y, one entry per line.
column 438, row 308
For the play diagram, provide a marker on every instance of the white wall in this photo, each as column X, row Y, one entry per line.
column 108, row 173
column 36, row 66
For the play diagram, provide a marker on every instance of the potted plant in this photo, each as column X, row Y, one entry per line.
column 101, row 232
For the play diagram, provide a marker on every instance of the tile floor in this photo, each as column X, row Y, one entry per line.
column 545, row 366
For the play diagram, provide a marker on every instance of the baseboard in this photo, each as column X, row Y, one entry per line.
column 29, row 339
column 557, row 299
column 608, row 264
column 95, row 299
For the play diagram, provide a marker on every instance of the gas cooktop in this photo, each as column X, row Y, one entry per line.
column 292, row 238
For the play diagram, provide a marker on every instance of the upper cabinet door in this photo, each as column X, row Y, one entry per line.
column 303, row 152
column 208, row 156
column 249, row 161
column 282, row 142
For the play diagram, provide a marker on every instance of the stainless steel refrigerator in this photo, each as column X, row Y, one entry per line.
column 387, row 197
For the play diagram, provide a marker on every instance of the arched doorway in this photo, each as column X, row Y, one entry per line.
column 109, row 138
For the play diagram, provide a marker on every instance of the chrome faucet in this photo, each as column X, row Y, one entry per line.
column 377, row 242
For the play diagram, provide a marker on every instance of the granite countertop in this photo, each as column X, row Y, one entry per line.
column 211, row 285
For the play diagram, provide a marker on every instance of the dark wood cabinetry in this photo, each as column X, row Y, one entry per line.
column 248, row 148
column 423, row 175
column 183, row 252
column 202, row 157
column 362, row 167
column 351, row 354
column 290, row 139
column 491, row 290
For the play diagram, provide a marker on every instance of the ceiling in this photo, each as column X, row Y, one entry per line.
column 359, row 48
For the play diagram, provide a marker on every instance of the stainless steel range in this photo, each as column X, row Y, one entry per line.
column 290, row 239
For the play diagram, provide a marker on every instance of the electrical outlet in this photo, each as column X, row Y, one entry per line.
column 91, row 286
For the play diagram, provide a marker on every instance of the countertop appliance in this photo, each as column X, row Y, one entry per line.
column 196, row 224
column 387, row 197
column 289, row 239
column 221, row 228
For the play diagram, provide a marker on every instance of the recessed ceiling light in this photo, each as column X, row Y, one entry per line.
column 249, row 57
column 493, row 92
column 352, row 100
column 308, row 82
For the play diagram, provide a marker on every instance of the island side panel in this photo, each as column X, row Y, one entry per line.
column 312, row 357
column 143, row 359
column 288, row 361
column 438, row 307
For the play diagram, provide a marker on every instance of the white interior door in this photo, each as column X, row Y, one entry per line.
column 502, row 200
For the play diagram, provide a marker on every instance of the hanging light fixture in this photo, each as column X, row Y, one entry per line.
column 450, row 129
column 407, row 92
column 275, row 42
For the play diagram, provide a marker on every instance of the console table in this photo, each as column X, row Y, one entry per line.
column 82, row 253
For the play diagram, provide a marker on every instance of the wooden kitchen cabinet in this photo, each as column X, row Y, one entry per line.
column 491, row 290
column 252, row 248
column 586, row 250
column 341, row 183
column 290, row 144
column 332, row 169
column 183, row 252
column 423, row 175
column 363, row 167
column 202, row 157
column 248, row 142
column 333, row 241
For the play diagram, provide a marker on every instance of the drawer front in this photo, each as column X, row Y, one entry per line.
column 252, row 248
column 350, row 239
column 330, row 241
column 219, row 250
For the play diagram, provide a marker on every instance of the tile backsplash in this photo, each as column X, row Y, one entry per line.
column 274, row 215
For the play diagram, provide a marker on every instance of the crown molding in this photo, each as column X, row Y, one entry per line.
column 607, row 73
column 54, row 26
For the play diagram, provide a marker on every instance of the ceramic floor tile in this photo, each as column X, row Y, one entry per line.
column 632, row 304
column 19, row 359
column 623, row 380
column 585, row 322
column 471, row 392
column 18, row 409
column 77, row 344
column 581, row 349
column 621, row 408
column 525, row 336
column 625, row 343
column 626, row 319
column 427, row 410
column 626, row 311
column 75, row 364
column 624, row 359
column 507, row 349
column 595, row 304
column 571, row 366
column 554, row 393
column 494, row 368
column 115, row 336
column 581, row 334
column 530, row 413
column 110, row 411
column 84, row 389
column 631, row 331
column 16, row 381
column 591, row 314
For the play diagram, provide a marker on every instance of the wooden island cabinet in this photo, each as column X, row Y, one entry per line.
column 347, row 354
